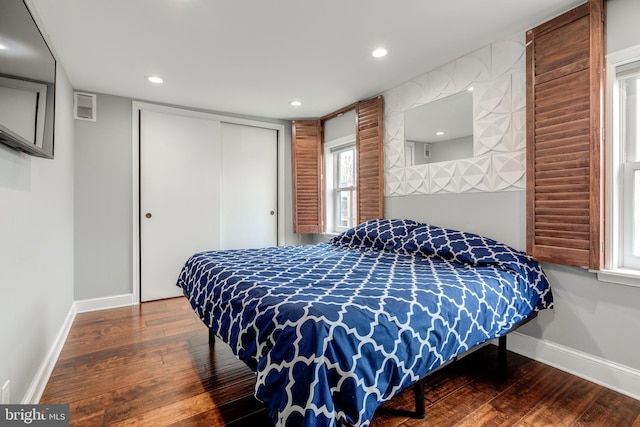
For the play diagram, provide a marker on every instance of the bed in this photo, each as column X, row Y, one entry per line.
column 335, row 329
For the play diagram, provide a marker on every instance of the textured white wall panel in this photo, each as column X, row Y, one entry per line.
column 496, row 73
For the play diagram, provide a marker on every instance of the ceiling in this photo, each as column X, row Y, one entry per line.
column 253, row 57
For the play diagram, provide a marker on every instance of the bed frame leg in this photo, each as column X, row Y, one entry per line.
column 502, row 354
column 418, row 393
column 212, row 338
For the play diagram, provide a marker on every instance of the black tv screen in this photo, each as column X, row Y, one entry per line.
column 27, row 82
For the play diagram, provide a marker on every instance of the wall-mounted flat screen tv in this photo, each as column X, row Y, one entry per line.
column 27, row 82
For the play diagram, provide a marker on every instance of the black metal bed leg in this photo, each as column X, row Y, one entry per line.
column 502, row 354
column 212, row 338
column 418, row 394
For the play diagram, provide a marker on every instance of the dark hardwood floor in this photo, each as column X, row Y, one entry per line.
column 151, row 365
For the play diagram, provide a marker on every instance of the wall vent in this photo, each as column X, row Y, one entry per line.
column 84, row 106
column 427, row 151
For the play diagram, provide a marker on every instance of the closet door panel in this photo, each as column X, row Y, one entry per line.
column 249, row 194
column 179, row 197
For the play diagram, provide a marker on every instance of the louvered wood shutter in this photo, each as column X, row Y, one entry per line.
column 306, row 147
column 370, row 160
column 564, row 128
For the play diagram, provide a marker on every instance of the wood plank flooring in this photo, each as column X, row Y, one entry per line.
column 151, row 365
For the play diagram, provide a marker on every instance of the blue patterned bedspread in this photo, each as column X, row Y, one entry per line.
column 333, row 330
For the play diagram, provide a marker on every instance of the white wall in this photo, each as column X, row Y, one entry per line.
column 340, row 127
column 36, row 251
column 622, row 24
column 499, row 215
column 593, row 329
column 103, row 203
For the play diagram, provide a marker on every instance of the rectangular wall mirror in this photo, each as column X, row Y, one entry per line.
column 440, row 130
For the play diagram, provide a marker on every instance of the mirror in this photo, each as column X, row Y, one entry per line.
column 440, row 130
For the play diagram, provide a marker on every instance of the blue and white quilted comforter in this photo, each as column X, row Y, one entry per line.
column 333, row 330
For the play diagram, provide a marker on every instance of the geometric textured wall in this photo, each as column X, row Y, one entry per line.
column 497, row 75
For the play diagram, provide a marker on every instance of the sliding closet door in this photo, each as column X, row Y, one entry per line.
column 179, row 197
column 249, row 194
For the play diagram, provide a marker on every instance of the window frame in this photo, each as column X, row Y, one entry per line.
column 331, row 151
column 616, row 268
column 337, row 189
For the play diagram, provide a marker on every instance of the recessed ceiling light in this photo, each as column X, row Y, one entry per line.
column 379, row 52
column 155, row 79
column 470, row 89
column 295, row 103
column 3, row 47
column 439, row 133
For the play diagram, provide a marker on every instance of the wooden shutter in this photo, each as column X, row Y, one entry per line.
column 565, row 81
column 306, row 147
column 370, row 162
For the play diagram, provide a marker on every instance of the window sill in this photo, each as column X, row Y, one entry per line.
column 329, row 234
column 620, row 276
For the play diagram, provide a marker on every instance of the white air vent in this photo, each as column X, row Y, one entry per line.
column 84, row 106
column 427, row 151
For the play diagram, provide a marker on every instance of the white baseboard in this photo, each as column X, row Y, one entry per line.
column 40, row 380
column 104, row 303
column 609, row 374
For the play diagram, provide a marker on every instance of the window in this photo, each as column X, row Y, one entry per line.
column 629, row 87
column 624, row 178
column 367, row 200
column 343, row 188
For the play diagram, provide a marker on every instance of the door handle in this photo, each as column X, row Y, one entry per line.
column 272, row 213
column 148, row 215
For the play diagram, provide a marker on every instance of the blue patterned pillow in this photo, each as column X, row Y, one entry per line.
column 469, row 248
column 381, row 234
column 459, row 246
